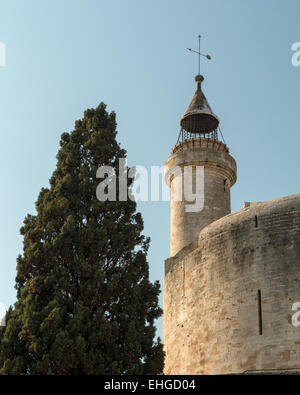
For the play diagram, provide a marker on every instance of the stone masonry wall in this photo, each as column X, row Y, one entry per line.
column 219, row 176
column 211, row 306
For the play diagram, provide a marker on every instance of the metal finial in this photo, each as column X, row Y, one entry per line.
column 199, row 38
column 199, row 54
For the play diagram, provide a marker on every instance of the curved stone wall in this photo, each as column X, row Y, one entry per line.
column 228, row 299
column 219, row 176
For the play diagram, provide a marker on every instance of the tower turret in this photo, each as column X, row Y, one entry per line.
column 231, row 285
column 198, row 145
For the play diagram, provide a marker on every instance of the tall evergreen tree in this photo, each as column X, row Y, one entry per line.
column 85, row 303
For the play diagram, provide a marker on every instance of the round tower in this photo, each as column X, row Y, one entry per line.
column 212, row 172
column 231, row 285
column 232, row 301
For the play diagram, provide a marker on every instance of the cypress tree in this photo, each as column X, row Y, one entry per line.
column 85, row 304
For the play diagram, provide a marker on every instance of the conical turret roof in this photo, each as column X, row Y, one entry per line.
column 199, row 117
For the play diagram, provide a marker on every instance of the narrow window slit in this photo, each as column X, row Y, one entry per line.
column 259, row 312
column 256, row 221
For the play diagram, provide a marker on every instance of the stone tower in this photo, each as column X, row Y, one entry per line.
column 198, row 145
column 232, row 283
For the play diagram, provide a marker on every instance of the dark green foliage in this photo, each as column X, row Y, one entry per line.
column 85, row 303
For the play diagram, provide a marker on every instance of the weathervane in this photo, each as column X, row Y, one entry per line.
column 199, row 54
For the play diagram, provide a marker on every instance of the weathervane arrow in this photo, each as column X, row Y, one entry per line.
column 199, row 54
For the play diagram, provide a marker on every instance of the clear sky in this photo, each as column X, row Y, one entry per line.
column 64, row 56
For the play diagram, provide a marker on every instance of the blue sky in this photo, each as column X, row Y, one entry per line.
column 64, row 56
